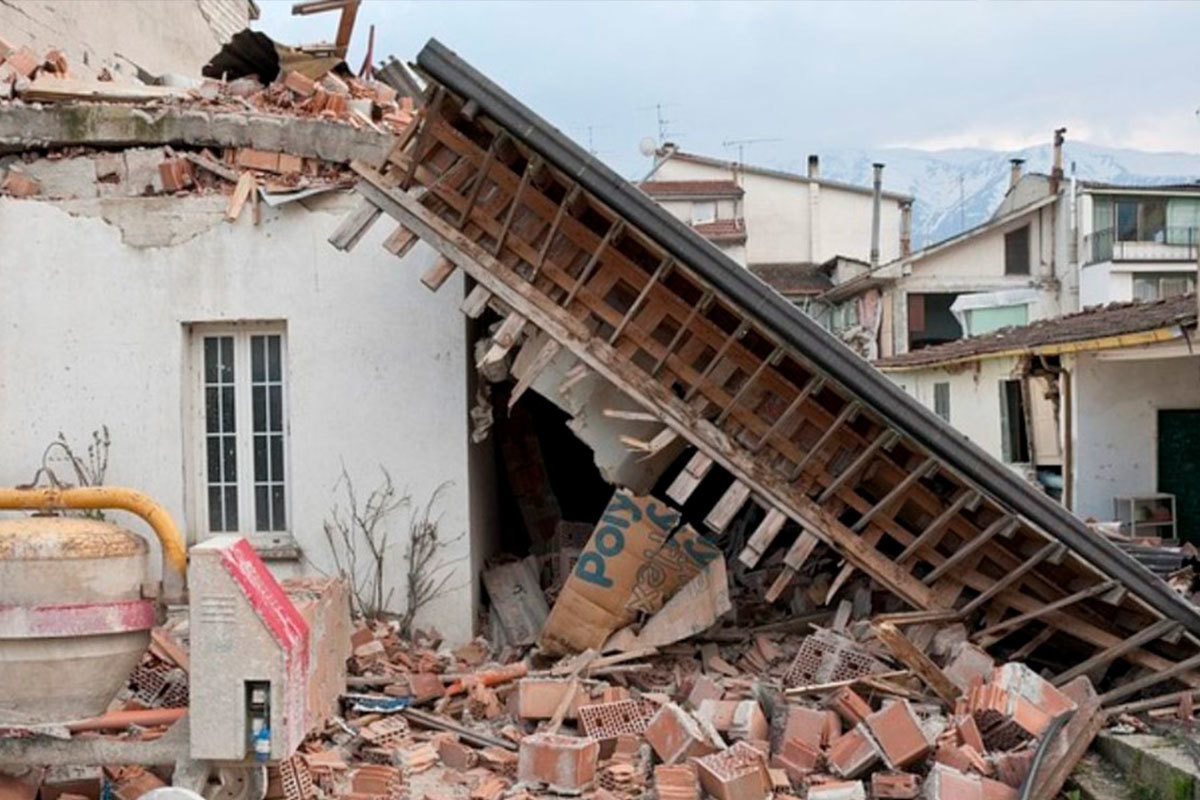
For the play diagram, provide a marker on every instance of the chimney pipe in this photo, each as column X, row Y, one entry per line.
column 814, row 167
column 878, row 197
column 906, row 229
column 1056, row 171
column 1014, row 174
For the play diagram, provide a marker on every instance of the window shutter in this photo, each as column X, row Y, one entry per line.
column 916, row 313
column 1016, row 252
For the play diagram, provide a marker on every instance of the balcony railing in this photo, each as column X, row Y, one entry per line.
column 1166, row 244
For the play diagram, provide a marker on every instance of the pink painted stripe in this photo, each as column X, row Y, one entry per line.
column 75, row 619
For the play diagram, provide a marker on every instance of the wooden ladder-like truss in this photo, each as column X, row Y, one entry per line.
column 548, row 256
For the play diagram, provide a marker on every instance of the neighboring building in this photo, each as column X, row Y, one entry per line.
column 786, row 228
column 1096, row 405
column 1052, row 247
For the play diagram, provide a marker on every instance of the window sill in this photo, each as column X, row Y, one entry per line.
column 281, row 548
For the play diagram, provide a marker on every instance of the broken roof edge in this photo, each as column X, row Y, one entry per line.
column 827, row 353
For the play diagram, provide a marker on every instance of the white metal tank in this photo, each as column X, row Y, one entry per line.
column 73, row 623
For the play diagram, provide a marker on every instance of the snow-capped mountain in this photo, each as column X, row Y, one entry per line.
column 957, row 189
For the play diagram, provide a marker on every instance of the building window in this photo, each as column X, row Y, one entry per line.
column 1014, row 439
column 1161, row 285
column 704, row 211
column 241, row 404
column 930, row 320
column 1141, row 220
column 1016, row 252
column 941, row 400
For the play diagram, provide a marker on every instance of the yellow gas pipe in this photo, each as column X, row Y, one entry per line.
column 114, row 497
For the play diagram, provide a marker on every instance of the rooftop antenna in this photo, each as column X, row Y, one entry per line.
column 741, row 145
column 661, row 120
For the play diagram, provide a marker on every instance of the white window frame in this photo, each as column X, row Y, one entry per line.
column 697, row 218
column 280, row 543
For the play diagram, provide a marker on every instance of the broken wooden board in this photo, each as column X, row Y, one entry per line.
column 516, row 596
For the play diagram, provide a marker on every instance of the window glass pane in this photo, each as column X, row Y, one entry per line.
column 1016, row 252
column 277, row 458
column 259, row 398
column 1154, row 221
column 257, row 368
column 226, row 372
column 215, row 510
column 262, row 508
column 214, row 459
column 231, row 508
column 229, row 458
column 276, row 409
column 212, row 410
column 274, row 359
column 260, row 458
column 941, row 400
column 278, row 517
column 227, row 415
column 1127, row 220
column 210, row 359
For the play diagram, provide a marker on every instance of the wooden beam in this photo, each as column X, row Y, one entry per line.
column 908, row 654
column 614, row 230
column 436, row 275
column 1002, row 526
column 737, row 334
column 813, row 386
column 498, row 245
column 664, row 267
column 884, row 439
column 687, row 480
column 1110, row 654
column 474, row 304
column 928, row 465
column 540, row 361
column 352, row 227
column 1018, row 621
column 848, row 412
column 700, row 307
column 1153, row 679
column 770, row 360
column 730, row 503
column 1013, row 576
column 762, row 537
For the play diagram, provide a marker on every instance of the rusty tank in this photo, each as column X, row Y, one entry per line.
column 73, row 622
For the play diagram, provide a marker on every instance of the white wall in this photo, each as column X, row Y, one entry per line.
column 93, row 333
column 974, row 396
column 1115, row 419
column 159, row 36
column 778, row 219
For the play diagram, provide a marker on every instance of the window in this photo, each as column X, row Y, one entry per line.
column 1161, row 285
column 1016, row 252
column 930, row 320
column 986, row 320
column 704, row 211
column 241, row 415
column 1141, row 220
column 941, row 400
column 1014, row 439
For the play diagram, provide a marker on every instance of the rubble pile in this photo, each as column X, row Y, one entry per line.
column 334, row 97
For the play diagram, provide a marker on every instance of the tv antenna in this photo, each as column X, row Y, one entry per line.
column 741, row 145
column 661, row 120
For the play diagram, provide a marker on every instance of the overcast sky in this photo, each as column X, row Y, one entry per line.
column 819, row 75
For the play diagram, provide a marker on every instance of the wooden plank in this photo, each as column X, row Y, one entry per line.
column 920, row 664
column 685, row 328
column 1153, row 679
column 436, row 275
column 540, row 361
column 762, row 537
column 813, row 386
column 1002, row 525
column 503, row 339
column 400, row 241
column 686, row 481
column 884, row 439
column 352, row 227
column 772, row 359
column 1013, row 576
column 475, row 302
column 49, row 89
column 518, row 599
column 848, row 412
column 1110, row 654
column 241, row 193
column 1017, row 621
column 934, row 528
column 614, row 230
column 530, row 167
column 717, row 358
column 793, row 560
column 730, row 503
column 928, row 465
column 660, row 272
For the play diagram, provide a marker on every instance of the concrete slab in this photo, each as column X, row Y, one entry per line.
column 1155, row 767
column 1096, row 779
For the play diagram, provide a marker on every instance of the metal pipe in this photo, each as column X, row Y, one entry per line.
column 876, row 198
column 113, row 497
column 1027, row 786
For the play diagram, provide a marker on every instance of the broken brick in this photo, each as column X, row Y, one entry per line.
column 22, row 60
column 798, row 757
column 899, row 734
column 456, row 755
column 424, row 686
column 250, row 158
column 895, row 786
column 675, row 735
column 18, row 184
column 299, row 83
column 289, row 163
column 677, row 782
column 807, row 725
column 739, row 773
column 565, row 763
column 838, row 790
column 850, row 705
column 946, row 783
column 703, row 688
column 176, row 174
column 853, row 753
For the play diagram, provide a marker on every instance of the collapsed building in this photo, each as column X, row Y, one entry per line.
column 747, row 476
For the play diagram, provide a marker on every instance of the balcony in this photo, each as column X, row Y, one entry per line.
column 1164, row 244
